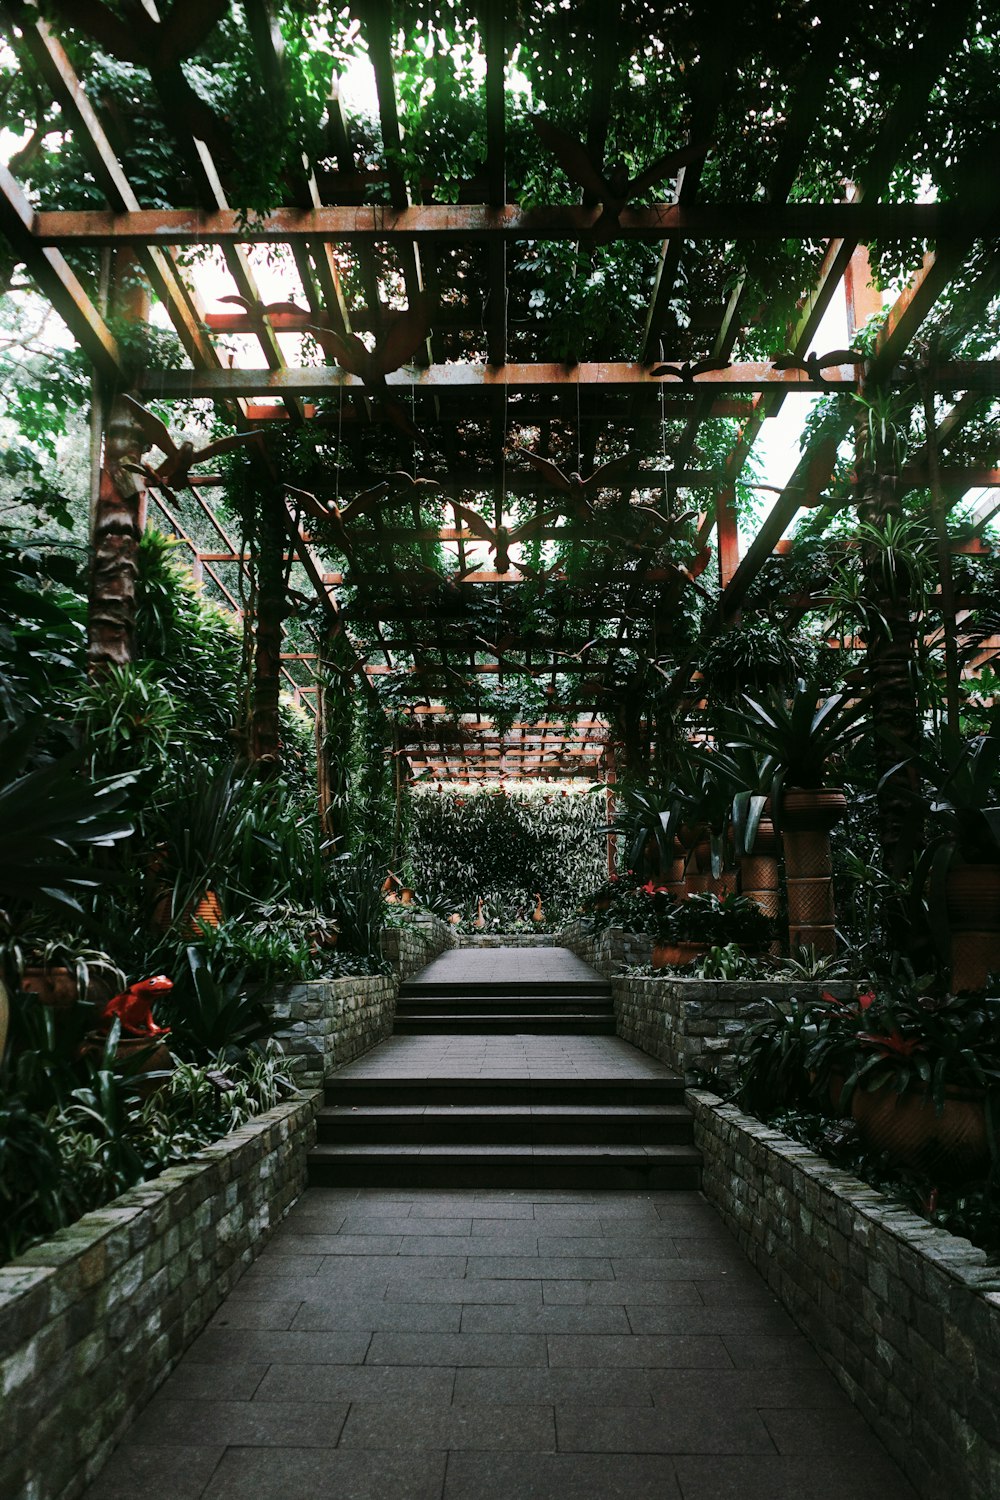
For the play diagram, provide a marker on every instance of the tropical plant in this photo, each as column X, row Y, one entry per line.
column 801, row 740
column 646, row 820
column 727, row 961
column 705, row 918
column 212, row 1015
column 772, row 1058
column 50, row 817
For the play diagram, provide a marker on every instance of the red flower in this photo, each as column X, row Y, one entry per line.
column 895, row 1044
column 649, row 887
column 867, row 1000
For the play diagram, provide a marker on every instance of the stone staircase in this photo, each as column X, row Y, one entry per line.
column 505, row 1081
column 505, row 1132
column 581, row 1007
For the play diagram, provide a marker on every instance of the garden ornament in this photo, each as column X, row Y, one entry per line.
column 180, row 458
column 134, row 1007
column 814, row 364
column 502, row 538
column 405, row 332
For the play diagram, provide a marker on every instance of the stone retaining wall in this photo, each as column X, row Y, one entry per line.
column 328, row 1022
column 906, row 1315
column 696, row 1024
column 93, row 1320
column 413, row 944
column 606, row 951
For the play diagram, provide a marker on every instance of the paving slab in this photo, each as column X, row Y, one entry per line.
column 506, row 1343
column 383, row 1374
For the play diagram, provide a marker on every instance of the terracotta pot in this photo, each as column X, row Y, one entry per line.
column 766, row 838
column 698, row 875
column 951, row 1146
column 676, row 955
column 972, row 897
column 807, row 816
column 156, row 1058
column 759, row 881
column 811, row 808
column 972, row 902
column 55, row 985
column 204, row 913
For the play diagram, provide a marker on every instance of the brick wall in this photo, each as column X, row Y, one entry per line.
column 697, row 1023
column 906, row 1315
column 327, row 1022
column 92, row 1321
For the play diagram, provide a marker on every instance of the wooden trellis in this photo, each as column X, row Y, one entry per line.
column 618, row 583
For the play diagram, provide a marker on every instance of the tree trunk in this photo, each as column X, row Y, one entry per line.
column 265, row 734
column 890, row 667
column 334, row 731
column 119, row 516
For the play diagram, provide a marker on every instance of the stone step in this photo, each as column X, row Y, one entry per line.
column 535, row 989
column 663, row 1167
column 476, row 1090
column 576, row 1023
column 502, row 1124
column 496, row 1004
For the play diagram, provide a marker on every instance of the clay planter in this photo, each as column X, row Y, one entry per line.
column 676, row 955
column 156, row 1058
column 698, row 876
column 972, row 901
column 55, row 986
column 204, row 913
column 807, row 815
column 952, row 1146
column 674, row 882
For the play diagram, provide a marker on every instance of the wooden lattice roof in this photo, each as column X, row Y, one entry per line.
column 562, row 597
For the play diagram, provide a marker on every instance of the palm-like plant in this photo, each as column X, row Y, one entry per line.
column 800, row 738
column 50, row 815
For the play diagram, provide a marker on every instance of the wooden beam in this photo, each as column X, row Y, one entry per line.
column 58, row 282
column 611, row 377
column 461, row 222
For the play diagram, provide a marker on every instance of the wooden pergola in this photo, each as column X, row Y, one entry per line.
column 560, row 588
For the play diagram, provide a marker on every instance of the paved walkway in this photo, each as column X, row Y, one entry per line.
column 393, row 1345
column 507, row 1344
column 499, row 965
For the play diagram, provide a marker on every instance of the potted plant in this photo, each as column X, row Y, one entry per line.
column 200, row 827
column 689, row 928
column 962, row 862
column 61, row 968
column 801, row 741
column 647, row 818
column 919, row 1073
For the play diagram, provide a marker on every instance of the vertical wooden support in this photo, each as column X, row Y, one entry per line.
column 727, row 532
column 118, row 521
column 863, row 299
column 265, row 734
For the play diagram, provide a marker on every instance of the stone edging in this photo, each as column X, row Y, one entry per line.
column 697, row 1024
column 906, row 1315
column 93, row 1320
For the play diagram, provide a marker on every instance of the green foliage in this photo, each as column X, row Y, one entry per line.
column 506, row 845
column 213, row 1011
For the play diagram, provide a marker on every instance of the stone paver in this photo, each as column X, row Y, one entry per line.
column 504, row 1344
column 506, row 966
column 520, row 1055
column 569, row 1344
